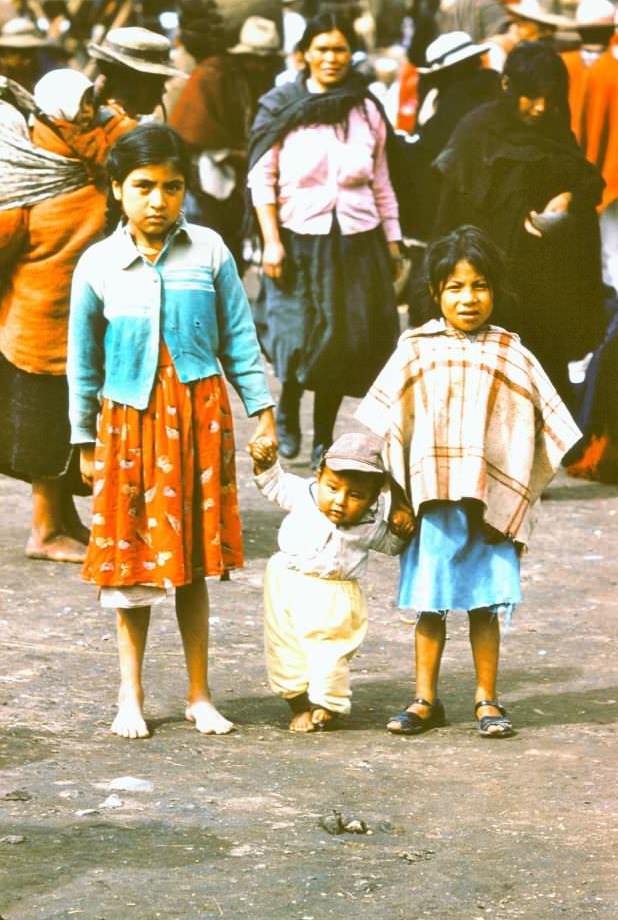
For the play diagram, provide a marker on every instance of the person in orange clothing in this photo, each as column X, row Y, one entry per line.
column 51, row 207
column 596, row 457
column 594, row 21
column 600, row 142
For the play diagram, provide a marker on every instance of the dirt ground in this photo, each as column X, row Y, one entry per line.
column 460, row 828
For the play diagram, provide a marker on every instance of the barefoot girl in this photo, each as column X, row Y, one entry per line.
column 157, row 312
column 474, row 432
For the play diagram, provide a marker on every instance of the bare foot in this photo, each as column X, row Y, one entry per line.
column 57, row 548
column 321, row 717
column 129, row 722
column 208, row 719
column 79, row 532
column 302, row 722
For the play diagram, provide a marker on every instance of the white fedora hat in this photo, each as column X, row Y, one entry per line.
column 137, row 48
column 594, row 14
column 532, row 9
column 449, row 49
column 20, row 32
column 257, row 36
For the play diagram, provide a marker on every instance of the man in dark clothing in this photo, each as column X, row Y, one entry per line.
column 513, row 168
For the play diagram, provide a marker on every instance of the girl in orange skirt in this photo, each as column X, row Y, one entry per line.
column 158, row 314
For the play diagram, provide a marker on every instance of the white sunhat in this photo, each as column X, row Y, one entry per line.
column 22, row 33
column 257, row 36
column 449, row 49
column 532, row 9
column 594, row 14
column 137, row 48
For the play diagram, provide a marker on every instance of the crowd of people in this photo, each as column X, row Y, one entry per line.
column 459, row 158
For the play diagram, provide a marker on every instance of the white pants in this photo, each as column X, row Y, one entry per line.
column 312, row 628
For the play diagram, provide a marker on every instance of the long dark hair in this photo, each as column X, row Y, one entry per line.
column 145, row 145
column 533, row 69
column 465, row 244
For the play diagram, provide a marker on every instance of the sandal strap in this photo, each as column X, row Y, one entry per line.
column 494, row 703
column 423, row 702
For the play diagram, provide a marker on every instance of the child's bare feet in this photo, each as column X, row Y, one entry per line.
column 302, row 722
column 57, row 548
column 321, row 717
column 130, row 722
column 208, row 719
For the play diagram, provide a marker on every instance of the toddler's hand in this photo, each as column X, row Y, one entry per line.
column 263, row 452
column 401, row 523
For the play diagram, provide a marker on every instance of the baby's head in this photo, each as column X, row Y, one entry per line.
column 350, row 478
column 66, row 95
column 465, row 273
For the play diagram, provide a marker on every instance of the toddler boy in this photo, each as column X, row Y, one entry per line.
column 315, row 610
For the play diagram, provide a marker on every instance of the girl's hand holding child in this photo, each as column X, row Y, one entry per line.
column 401, row 522
column 401, row 517
column 263, row 452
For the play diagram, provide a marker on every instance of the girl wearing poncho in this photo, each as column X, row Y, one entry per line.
column 474, row 431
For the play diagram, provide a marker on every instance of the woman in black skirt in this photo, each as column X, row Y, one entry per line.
column 329, row 220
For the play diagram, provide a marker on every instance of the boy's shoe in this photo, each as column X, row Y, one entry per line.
column 410, row 723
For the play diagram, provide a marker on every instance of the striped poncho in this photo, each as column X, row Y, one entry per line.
column 470, row 416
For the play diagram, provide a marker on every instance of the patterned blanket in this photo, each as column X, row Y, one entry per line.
column 470, row 417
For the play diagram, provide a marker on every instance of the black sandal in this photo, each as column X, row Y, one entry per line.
column 410, row 723
column 494, row 726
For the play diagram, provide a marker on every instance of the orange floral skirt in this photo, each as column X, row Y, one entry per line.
column 165, row 503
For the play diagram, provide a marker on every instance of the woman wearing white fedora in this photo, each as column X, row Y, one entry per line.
column 453, row 82
column 134, row 64
column 533, row 23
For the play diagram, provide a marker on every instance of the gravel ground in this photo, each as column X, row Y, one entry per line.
column 459, row 828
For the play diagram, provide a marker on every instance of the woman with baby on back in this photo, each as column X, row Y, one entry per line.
column 158, row 312
column 474, row 431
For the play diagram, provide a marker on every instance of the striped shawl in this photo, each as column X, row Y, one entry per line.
column 470, row 417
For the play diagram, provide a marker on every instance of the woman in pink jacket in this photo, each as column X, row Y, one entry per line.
column 330, row 225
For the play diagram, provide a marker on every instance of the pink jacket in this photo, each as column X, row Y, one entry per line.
column 321, row 170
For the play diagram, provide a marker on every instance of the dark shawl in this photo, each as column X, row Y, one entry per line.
column 291, row 106
column 542, row 161
column 495, row 170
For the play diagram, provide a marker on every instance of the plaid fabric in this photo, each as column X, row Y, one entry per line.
column 470, row 417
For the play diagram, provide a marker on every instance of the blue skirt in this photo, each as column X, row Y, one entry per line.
column 450, row 565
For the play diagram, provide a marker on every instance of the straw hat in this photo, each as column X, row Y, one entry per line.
column 257, row 36
column 449, row 49
column 20, row 32
column 532, row 9
column 594, row 14
column 136, row 48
